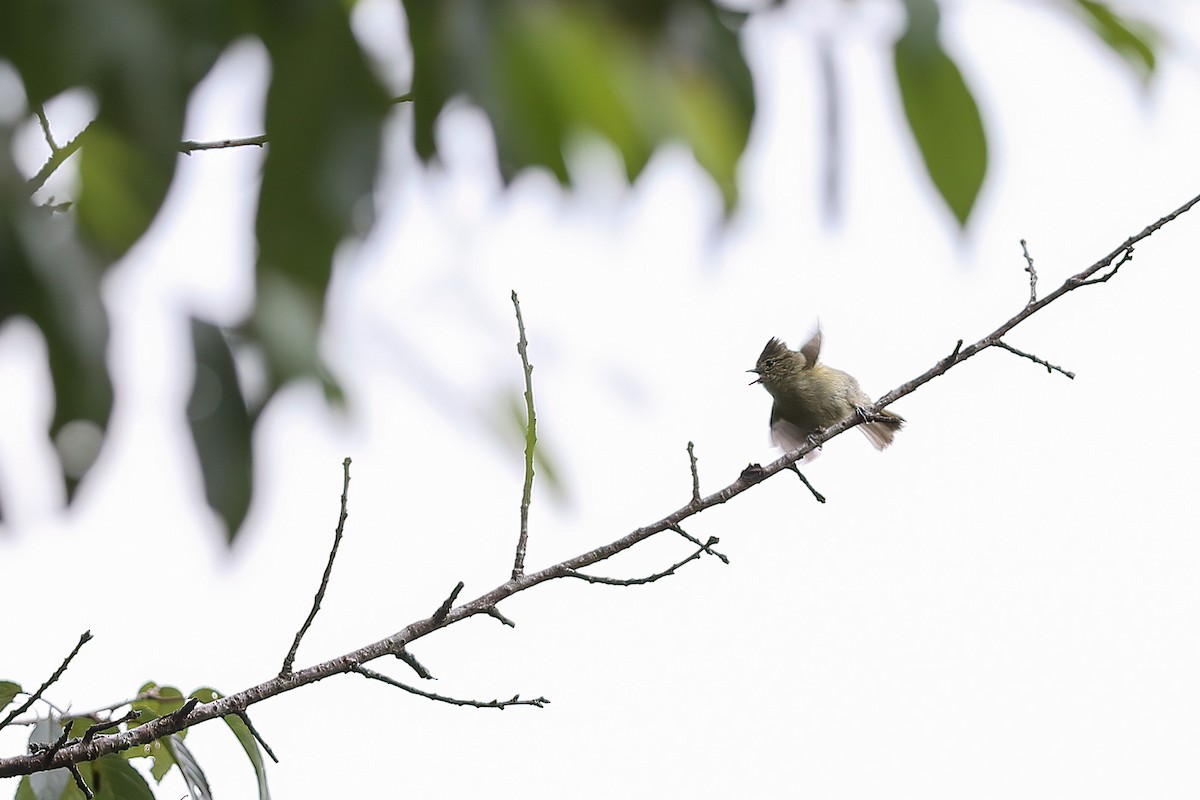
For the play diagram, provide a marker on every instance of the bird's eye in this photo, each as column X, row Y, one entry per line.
column 770, row 362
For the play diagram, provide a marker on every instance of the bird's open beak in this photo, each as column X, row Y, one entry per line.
column 756, row 380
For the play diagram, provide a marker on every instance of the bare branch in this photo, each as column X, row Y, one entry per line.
column 100, row 727
column 56, row 159
column 516, row 700
column 671, row 570
column 448, row 603
column 1032, row 273
column 695, row 473
column 33, row 698
column 705, row 546
column 819, row 497
column 408, row 658
column 1049, row 367
column 495, row 612
column 245, row 718
column 486, row 603
column 80, row 782
column 530, row 443
column 316, row 606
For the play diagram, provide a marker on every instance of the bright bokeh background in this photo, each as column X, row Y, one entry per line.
column 1005, row 604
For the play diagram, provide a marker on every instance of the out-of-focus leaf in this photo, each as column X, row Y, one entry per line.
column 636, row 74
column 941, row 112
column 245, row 738
column 8, row 690
column 50, row 784
column 544, row 461
column 49, row 277
column 1133, row 41
column 197, row 782
column 111, row 778
column 324, row 112
column 221, row 427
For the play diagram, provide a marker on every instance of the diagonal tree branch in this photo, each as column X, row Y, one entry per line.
column 487, row 602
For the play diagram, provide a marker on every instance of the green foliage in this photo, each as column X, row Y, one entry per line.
column 637, row 73
column 8, row 690
column 1132, row 41
column 941, row 112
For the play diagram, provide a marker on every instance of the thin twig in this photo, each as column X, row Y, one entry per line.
column 530, row 443
column 495, row 612
column 1126, row 256
column 1049, row 367
column 705, row 546
column 60, row 742
column 820, row 497
column 539, row 702
column 695, row 473
column 1032, row 273
column 46, row 134
column 80, row 782
column 100, row 727
column 351, row 661
column 245, row 718
column 33, row 698
column 316, row 606
column 448, row 603
column 56, row 159
column 408, row 658
column 671, row 570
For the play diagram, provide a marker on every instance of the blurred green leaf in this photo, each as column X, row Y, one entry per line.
column 636, row 74
column 8, row 690
column 941, row 112
column 221, row 427
column 50, row 279
column 111, row 778
column 1133, row 41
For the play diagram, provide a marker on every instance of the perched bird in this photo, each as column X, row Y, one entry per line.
column 810, row 396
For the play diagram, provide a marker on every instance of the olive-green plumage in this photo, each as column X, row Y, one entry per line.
column 810, row 396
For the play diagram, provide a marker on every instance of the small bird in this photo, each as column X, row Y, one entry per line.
column 810, row 396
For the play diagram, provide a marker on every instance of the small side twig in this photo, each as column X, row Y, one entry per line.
column 671, row 570
column 447, row 604
column 1126, row 255
column 1032, row 273
column 100, row 727
column 417, row 666
column 46, row 134
column 62, row 740
column 245, row 718
column 1049, row 367
column 33, row 698
column 492, row 611
column 290, row 659
column 80, row 782
column 182, row 712
column 695, row 473
column 366, row 672
column 530, row 443
column 705, row 546
column 820, row 497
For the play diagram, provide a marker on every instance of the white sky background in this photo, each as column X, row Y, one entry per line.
column 1005, row 604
